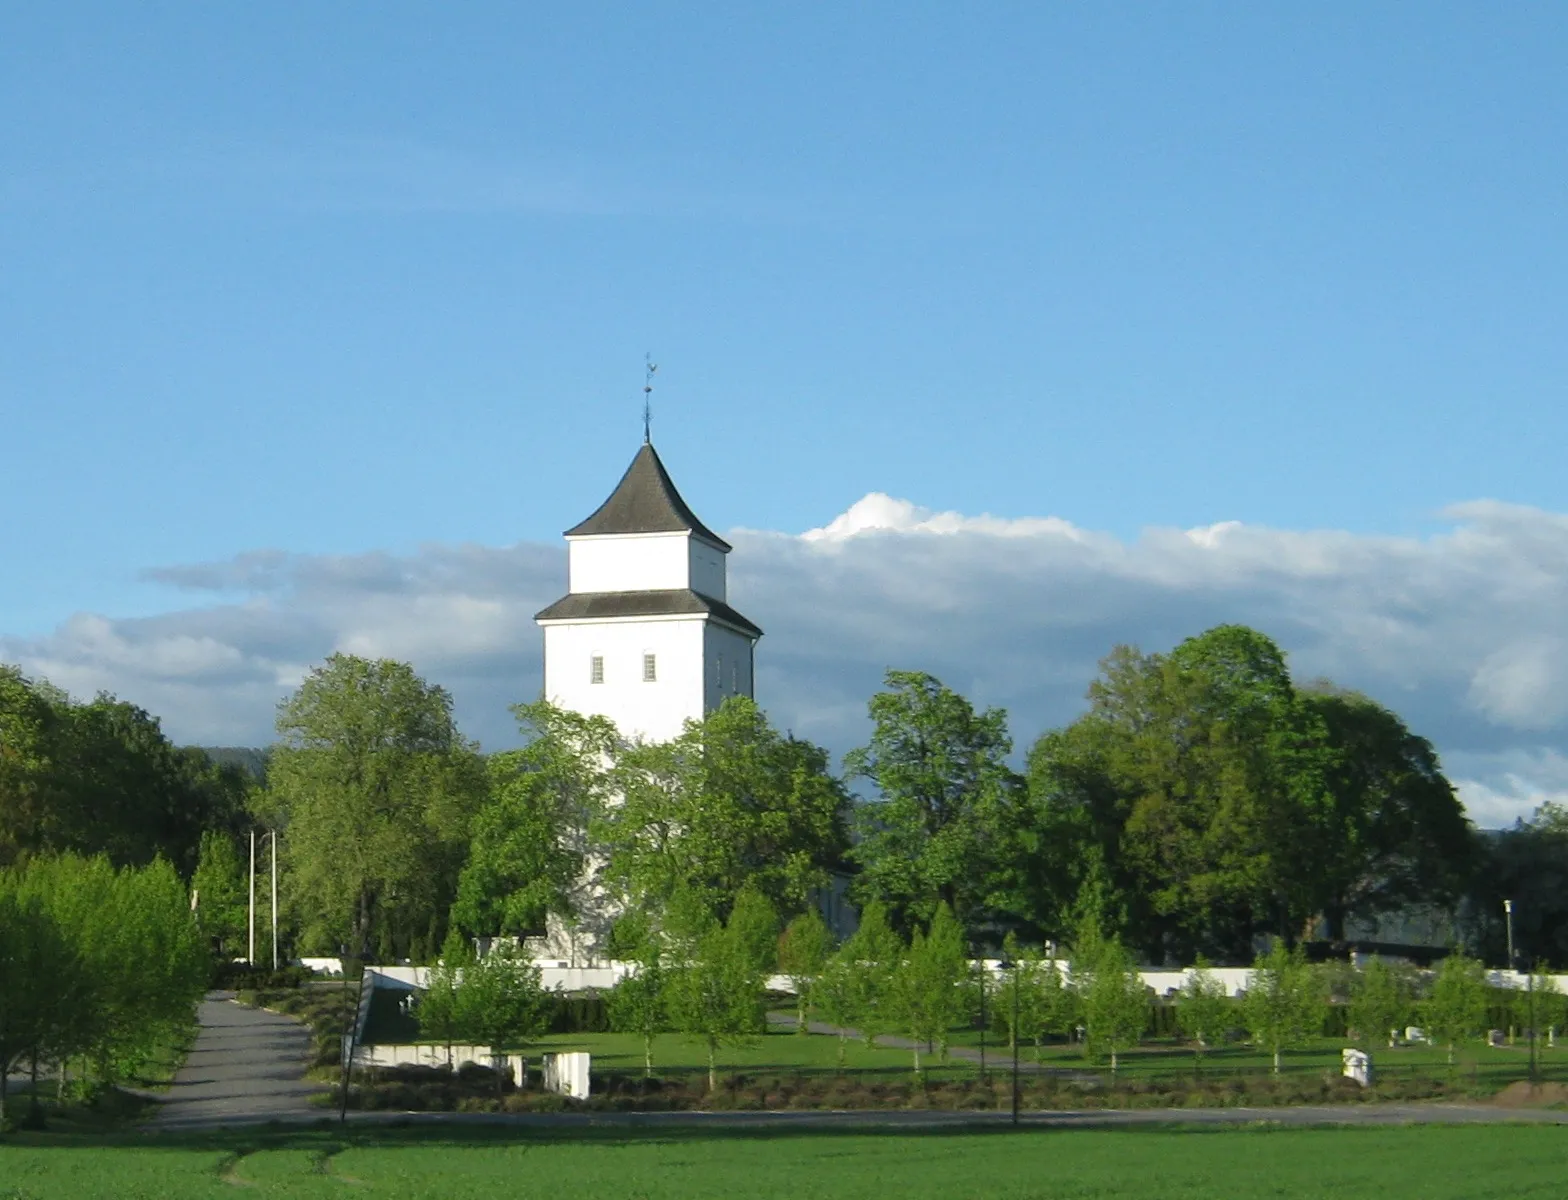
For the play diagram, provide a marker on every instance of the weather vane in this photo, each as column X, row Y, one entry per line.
column 647, row 398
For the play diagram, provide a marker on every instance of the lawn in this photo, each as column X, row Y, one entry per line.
column 1517, row 1162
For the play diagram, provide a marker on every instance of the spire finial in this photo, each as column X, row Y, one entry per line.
column 647, row 394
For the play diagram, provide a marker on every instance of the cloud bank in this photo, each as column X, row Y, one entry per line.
column 1465, row 633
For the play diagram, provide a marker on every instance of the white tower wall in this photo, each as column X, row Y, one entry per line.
column 654, row 711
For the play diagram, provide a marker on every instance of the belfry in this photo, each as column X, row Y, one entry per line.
column 644, row 634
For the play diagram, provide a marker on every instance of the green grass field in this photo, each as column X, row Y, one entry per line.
column 1514, row 1162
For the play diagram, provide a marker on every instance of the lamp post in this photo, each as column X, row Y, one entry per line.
column 1007, row 964
column 1508, row 915
column 980, row 958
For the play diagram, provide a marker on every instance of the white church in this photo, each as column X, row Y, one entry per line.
column 645, row 635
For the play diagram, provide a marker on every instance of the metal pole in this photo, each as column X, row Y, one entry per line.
column 1508, row 911
column 1533, row 1077
column 274, row 899
column 1015, row 1043
column 982, row 1017
column 250, row 945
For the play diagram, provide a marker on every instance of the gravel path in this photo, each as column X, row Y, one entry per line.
column 247, row 1066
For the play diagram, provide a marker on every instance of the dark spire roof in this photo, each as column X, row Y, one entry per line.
column 583, row 606
column 645, row 501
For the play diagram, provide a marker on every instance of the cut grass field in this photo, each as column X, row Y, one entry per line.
column 1516, row 1162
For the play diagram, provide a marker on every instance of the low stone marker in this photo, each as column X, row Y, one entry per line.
column 1414, row 1034
column 1358, row 1066
column 1495, row 1037
column 567, row 1074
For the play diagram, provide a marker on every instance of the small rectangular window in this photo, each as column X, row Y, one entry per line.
column 596, row 669
column 649, row 673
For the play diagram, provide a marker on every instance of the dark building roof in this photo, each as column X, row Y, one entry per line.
column 645, row 501
column 581, row 606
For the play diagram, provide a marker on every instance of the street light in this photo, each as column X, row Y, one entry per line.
column 1508, row 914
column 1007, row 964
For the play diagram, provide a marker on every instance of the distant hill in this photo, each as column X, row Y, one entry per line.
column 249, row 758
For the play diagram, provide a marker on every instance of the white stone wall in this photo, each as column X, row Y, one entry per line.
column 727, row 665
column 653, row 711
column 637, row 562
column 707, row 569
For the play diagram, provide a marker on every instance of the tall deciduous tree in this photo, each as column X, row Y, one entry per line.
column 220, row 893
column 804, row 949
column 1381, row 1002
column 729, row 802
column 1284, row 1003
column 1455, row 1012
column 1203, row 1009
column 936, row 830
column 926, row 994
column 1111, row 996
column 379, row 790
column 530, row 850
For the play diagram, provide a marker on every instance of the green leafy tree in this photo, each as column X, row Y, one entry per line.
column 945, row 800
column 35, row 978
column 730, row 802
column 926, row 993
column 1112, row 997
column 1381, row 1003
column 1455, row 1011
column 715, row 992
column 1284, row 1003
column 637, row 1004
column 1203, row 1010
column 804, row 949
column 837, row 995
column 875, row 952
column 379, row 790
column 439, row 1011
column 500, row 1003
column 530, row 847
column 220, row 891
column 1046, row 1005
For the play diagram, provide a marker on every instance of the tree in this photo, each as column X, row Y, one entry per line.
column 439, row 1010
column 803, row 951
column 637, row 1004
column 220, row 892
column 728, row 803
column 1527, row 864
column 836, row 995
column 926, row 990
column 715, row 987
column 1455, row 1012
column 29, row 802
column 1381, row 1002
column 1114, row 1001
column 501, row 1004
column 935, row 833
column 35, row 972
column 1392, row 832
column 529, row 849
column 1202, row 1008
column 1045, row 1004
column 1283, row 1006
column 379, row 790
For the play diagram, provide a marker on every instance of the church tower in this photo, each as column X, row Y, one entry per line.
column 644, row 635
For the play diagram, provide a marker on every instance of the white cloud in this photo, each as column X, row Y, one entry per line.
column 1465, row 633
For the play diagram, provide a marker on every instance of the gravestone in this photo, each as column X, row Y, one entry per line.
column 1358, row 1066
column 567, row 1074
column 1414, row 1033
column 1495, row 1037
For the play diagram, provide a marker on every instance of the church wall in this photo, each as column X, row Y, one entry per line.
column 707, row 569
column 631, row 563
column 655, row 711
column 726, row 666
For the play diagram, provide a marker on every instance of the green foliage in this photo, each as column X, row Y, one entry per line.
column 1111, row 996
column 1284, row 1003
column 500, row 1003
column 529, row 842
column 728, row 803
column 378, row 790
column 1203, row 1010
column 946, row 798
column 715, row 986
column 1045, row 1004
column 1381, row 1003
column 1220, row 801
column 96, row 964
column 926, row 995
column 219, row 886
column 1455, row 1010
column 803, row 951
column 440, row 1016
column 638, row 1005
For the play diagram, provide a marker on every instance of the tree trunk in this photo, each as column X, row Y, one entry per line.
column 34, row 1111
column 800, row 1013
column 917, row 1060
column 3, row 1069
column 713, row 1074
column 647, row 1055
column 1113, row 1064
column 843, row 1042
column 1276, row 1060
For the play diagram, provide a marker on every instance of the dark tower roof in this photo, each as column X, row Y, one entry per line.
column 645, row 501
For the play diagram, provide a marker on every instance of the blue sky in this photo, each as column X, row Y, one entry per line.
column 333, row 281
